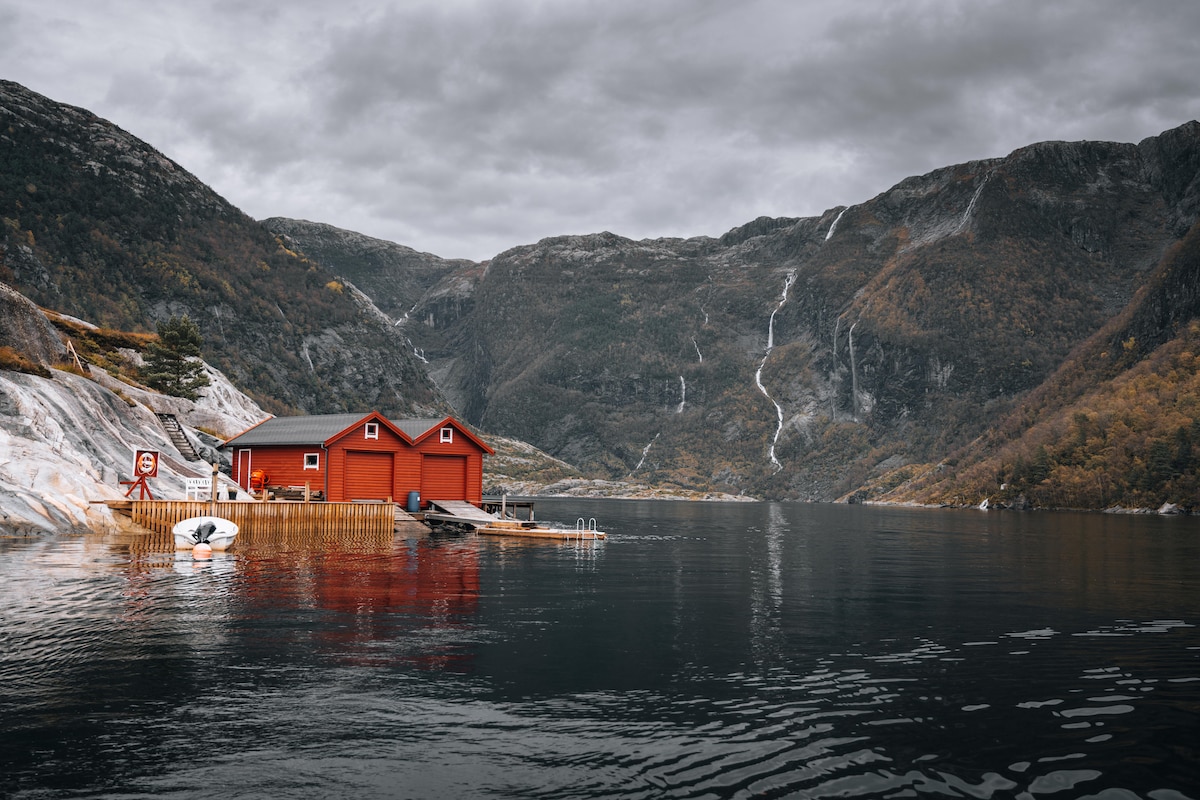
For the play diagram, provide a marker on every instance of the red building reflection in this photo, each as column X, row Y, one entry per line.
column 363, row 599
column 414, row 598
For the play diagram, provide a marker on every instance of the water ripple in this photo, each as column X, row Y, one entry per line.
column 444, row 668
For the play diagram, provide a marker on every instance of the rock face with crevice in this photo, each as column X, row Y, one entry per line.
column 25, row 329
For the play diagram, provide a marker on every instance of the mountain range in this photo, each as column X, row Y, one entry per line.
column 994, row 330
column 100, row 225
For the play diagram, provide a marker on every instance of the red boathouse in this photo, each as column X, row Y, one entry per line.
column 364, row 457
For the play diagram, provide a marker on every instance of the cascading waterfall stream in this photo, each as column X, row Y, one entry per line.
column 833, row 395
column 645, row 450
column 787, row 285
column 836, row 220
column 966, row 217
column 682, row 395
column 853, row 374
column 418, row 352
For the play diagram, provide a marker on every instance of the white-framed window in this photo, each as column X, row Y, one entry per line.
column 312, row 460
column 447, row 434
column 372, row 431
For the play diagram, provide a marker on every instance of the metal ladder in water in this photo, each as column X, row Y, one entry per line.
column 586, row 530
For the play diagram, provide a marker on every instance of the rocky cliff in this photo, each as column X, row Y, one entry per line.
column 97, row 224
column 801, row 357
column 67, row 439
column 399, row 276
column 26, row 331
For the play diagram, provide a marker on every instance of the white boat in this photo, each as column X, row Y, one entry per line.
column 216, row 532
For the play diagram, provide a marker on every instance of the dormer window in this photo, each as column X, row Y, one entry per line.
column 447, row 435
column 372, row 431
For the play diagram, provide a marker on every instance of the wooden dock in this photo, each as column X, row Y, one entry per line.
column 458, row 513
column 506, row 508
column 281, row 518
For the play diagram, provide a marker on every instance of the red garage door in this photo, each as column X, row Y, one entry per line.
column 444, row 478
column 368, row 476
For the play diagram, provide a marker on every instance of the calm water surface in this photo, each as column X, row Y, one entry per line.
column 702, row 651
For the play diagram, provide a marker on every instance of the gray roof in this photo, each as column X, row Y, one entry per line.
column 318, row 428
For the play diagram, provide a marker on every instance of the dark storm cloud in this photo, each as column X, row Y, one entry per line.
column 464, row 128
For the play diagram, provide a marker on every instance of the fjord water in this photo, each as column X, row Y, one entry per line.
column 703, row 651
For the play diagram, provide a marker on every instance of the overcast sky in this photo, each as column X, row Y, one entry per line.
column 465, row 127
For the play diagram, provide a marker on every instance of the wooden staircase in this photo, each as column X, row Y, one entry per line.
column 175, row 431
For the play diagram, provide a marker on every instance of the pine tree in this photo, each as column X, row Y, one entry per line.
column 172, row 363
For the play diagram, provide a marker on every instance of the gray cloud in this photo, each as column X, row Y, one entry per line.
column 464, row 128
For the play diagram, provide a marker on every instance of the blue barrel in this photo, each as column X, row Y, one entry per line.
column 414, row 502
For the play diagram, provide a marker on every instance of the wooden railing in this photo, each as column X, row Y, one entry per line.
column 280, row 518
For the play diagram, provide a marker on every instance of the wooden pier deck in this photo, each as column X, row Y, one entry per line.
column 458, row 512
column 283, row 518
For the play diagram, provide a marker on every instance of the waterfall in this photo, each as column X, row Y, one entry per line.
column 853, row 374
column 418, row 352
column 307, row 357
column 682, row 395
column 836, row 220
column 698, row 353
column 645, row 450
column 787, row 285
column 833, row 371
column 966, row 217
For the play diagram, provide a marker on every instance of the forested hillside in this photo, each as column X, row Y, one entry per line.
column 1117, row 425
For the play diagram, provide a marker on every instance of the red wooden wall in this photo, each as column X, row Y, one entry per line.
column 357, row 468
column 284, row 465
column 358, row 471
column 442, row 463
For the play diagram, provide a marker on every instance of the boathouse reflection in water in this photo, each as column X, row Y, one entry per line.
column 382, row 588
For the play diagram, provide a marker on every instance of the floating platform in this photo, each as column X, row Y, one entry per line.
column 534, row 530
column 461, row 514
